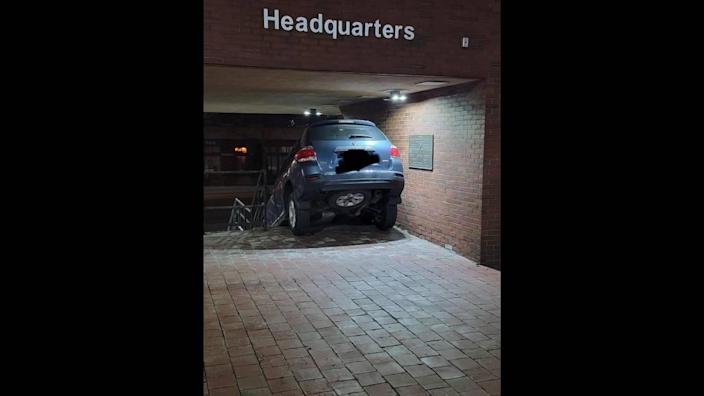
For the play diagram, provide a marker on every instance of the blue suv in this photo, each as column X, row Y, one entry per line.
column 341, row 166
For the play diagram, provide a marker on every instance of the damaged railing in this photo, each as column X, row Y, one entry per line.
column 243, row 216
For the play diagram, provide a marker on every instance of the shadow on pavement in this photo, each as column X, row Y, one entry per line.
column 339, row 232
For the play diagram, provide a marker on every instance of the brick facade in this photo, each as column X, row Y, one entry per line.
column 491, row 182
column 235, row 35
column 444, row 205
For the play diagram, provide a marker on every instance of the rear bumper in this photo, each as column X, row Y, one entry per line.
column 319, row 189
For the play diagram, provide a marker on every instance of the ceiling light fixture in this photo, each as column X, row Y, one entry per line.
column 397, row 96
column 312, row 111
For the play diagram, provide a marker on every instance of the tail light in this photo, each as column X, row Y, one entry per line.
column 394, row 152
column 306, row 154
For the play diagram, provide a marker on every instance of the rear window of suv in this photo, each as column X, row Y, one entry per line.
column 345, row 132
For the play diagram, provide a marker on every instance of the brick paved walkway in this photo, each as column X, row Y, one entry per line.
column 397, row 317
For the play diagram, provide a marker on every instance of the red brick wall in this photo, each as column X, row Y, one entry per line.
column 491, row 190
column 235, row 35
column 444, row 205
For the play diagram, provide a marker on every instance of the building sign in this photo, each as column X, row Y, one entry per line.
column 333, row 27
column 420, row 152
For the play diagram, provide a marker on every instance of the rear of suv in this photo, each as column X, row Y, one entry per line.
column 341, row 166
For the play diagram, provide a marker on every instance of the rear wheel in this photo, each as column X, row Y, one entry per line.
column 298, row 220
column 387, row 217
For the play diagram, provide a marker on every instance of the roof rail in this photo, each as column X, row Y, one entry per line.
column 328, row 122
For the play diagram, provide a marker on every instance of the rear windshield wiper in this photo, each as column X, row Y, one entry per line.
column 359, row 136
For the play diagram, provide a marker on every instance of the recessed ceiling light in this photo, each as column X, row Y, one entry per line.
column 431, row 83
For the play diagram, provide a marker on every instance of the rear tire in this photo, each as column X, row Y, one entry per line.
column 298, row 220
column 388, row 217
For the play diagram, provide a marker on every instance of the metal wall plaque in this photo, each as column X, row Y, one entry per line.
column 420, row 152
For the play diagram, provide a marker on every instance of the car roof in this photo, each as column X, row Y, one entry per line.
column 333, row 122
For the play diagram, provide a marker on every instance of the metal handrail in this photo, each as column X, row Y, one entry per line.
column 249, row 216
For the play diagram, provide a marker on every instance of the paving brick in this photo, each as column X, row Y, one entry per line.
column 477, row 353
column 398, row 350
column 493, row 387
column 267, row 351
column 440, row 345
column 369, row 348
column 443, row 392
column 241, row 350
column 407, row 359
column 464, row 344
column 377, row 358
column 464, row 364
column 220, row 376
column 423, row 351
column 282, row 384
column 300, row 363
column 413, row 390
column 479, row 374
column 296, row 392
column 435, row 361
column 465, row 386
column 289, row 343
column 419, row 370
column 380, row 390
column 315, row 386
column 432, row 381
column 360, row 367
column 254, row 382
column 401, row 379
column 388, row 368
column 216, row 358
column 295, row 353
column 330, row 363
column 452, row 353
column 303, row 374
column 277, row 372
column 448, row 372
column 227, row 391
column 382, row 337
column 308, row 336
column 272, row 361
column 256, row 392
column 345, row 387
column 489, row 363
column 337, row 374
column 249, row 370
column 370, row 378
column 352, row 356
